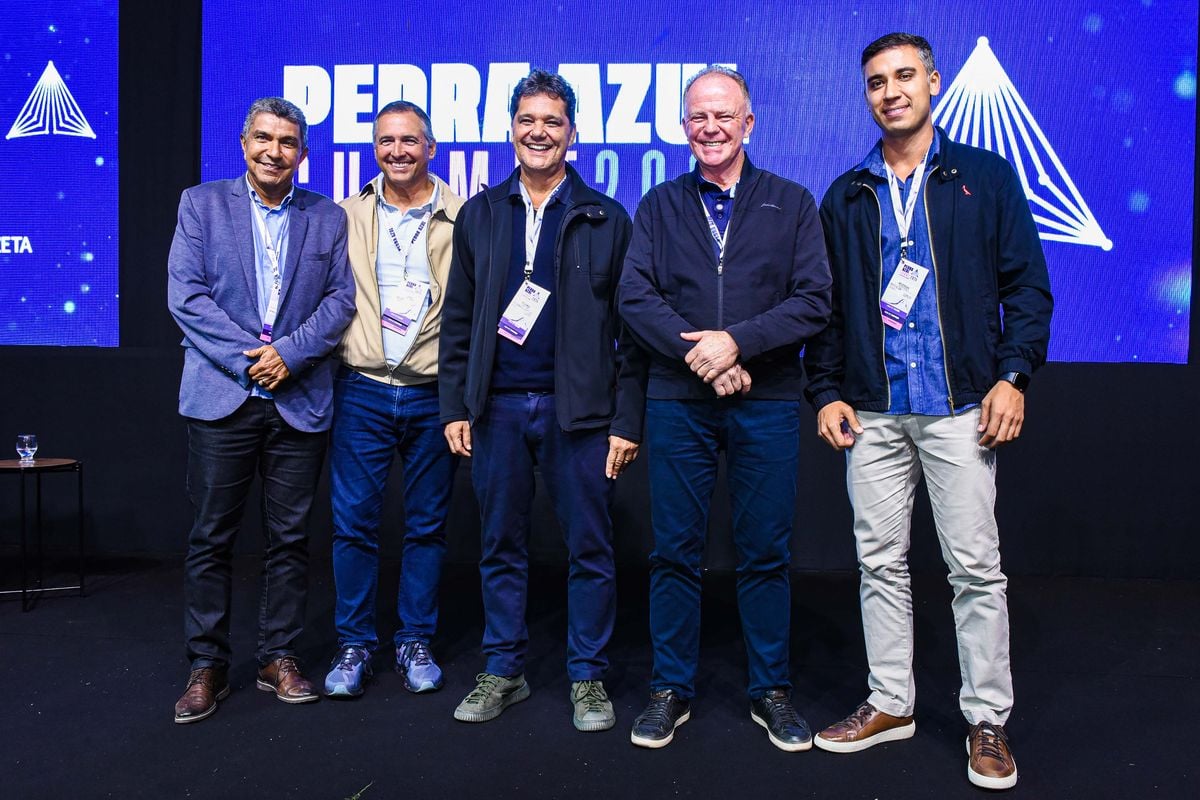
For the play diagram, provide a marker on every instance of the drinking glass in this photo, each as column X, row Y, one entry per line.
column 27, row 445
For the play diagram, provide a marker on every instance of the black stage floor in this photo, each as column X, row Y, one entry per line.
column 1103, row 669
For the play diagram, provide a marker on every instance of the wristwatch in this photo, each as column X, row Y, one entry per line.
column 1019, row 380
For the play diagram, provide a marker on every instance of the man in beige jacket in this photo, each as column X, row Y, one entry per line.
column 386, row 402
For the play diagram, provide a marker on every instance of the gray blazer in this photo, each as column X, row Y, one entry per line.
column 212, row 293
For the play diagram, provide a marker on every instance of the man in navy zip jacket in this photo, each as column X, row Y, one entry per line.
column 918, row 372
column 725, row 279
column 533, row 370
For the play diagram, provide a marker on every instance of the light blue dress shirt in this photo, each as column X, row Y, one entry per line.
column 277, row 227
column 397, row 251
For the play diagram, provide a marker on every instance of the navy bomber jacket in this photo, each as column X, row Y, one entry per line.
column 986, row 257
column 599, row 373
column 772, row 295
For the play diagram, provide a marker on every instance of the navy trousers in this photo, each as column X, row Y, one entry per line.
column 223, row 457
column 761, row 439
column 517, row 432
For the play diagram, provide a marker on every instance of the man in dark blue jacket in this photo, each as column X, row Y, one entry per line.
column 533, row 369
column 918, row 372
column 725, row 279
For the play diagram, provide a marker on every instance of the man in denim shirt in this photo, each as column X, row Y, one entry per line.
column 918, row 373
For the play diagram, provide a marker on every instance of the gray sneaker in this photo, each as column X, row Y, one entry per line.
column 491, row 695
column 593, row 709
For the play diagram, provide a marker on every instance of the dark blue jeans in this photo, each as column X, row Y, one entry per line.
column 372, row 422
column 223, row 456
column 515, row 433
column 761, row 439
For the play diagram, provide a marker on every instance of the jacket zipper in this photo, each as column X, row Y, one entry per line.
column 882, row 333
column 721, row 275
column 937, row 298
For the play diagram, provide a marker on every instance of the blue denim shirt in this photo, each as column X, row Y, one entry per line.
column 914, row 355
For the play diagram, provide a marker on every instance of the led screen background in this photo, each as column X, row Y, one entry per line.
column 1102, row 94
column 58, row 167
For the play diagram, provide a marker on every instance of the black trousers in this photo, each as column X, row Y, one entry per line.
column 223, row 456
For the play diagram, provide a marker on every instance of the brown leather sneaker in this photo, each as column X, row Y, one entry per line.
column 866, row 727
column 990, row 763
column 282, row 676
column 205, row 687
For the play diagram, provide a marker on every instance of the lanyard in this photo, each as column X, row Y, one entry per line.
column 272, row 249
column 904, row 215
column 720, row 238
column 404, row 251
column 533, row 223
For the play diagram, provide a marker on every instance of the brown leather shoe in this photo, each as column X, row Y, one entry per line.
column 205, row 687
column 990, row 763
column 866, row 727
column 282, row 676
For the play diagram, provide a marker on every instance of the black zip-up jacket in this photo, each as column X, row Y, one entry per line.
column 599, row 374
column 986, row 256
column 771, row 296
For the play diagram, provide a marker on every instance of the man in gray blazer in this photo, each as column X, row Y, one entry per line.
column 259, row 282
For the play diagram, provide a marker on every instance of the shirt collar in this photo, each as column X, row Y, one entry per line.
column 427, row 208
column 282, row 206
column 708, row 187
column 875, row 165
column 559, row 195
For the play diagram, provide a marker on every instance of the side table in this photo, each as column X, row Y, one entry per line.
column 35, row 469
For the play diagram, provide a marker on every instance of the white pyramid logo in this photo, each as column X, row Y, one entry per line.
column 983, row 108
column 50, row 109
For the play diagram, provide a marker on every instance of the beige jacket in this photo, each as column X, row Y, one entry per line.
column 362, row 346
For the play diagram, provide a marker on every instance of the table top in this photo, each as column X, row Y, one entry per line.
column 39, row 465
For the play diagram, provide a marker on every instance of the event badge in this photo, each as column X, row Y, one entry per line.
column 408, row 305
column 523, row 311
column 901, row 293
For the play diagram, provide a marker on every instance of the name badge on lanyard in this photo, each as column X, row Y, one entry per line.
column 523, row 310
column 272, row 250
column 409, row 301
column 898, row 297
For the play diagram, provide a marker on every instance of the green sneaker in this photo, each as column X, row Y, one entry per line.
column 491, row 695
column 593, row 709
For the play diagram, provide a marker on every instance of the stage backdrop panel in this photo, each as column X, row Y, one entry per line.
column 58, row 172
column 1094, row 102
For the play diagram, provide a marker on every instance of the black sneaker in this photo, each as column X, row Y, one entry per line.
column 655, row 727
column 786, row 729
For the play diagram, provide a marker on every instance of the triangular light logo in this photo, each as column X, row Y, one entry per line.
column 50, row 109
column 983, row 108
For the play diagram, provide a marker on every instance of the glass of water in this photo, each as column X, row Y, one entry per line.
column 27, row 445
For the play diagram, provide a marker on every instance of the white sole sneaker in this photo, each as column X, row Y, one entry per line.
column 791, row 747
column 654, row 744
column 986, row 781
column 890, row 735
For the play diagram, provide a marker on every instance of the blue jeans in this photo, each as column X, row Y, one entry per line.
column 515, row 432
column 223, row 456
column 372, row 422
column 762, row 442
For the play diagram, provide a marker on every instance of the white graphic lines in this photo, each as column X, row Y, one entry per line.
column 50, row 109
column 983, row 108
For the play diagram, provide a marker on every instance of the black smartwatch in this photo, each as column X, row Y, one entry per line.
column 1019, row 380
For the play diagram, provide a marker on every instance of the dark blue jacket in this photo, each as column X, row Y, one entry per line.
column 773, row 293
column 986, row 256
column 599, row 374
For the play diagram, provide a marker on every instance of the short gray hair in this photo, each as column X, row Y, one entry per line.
column 717, row 69
column 406, row 107
column 284, row 109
